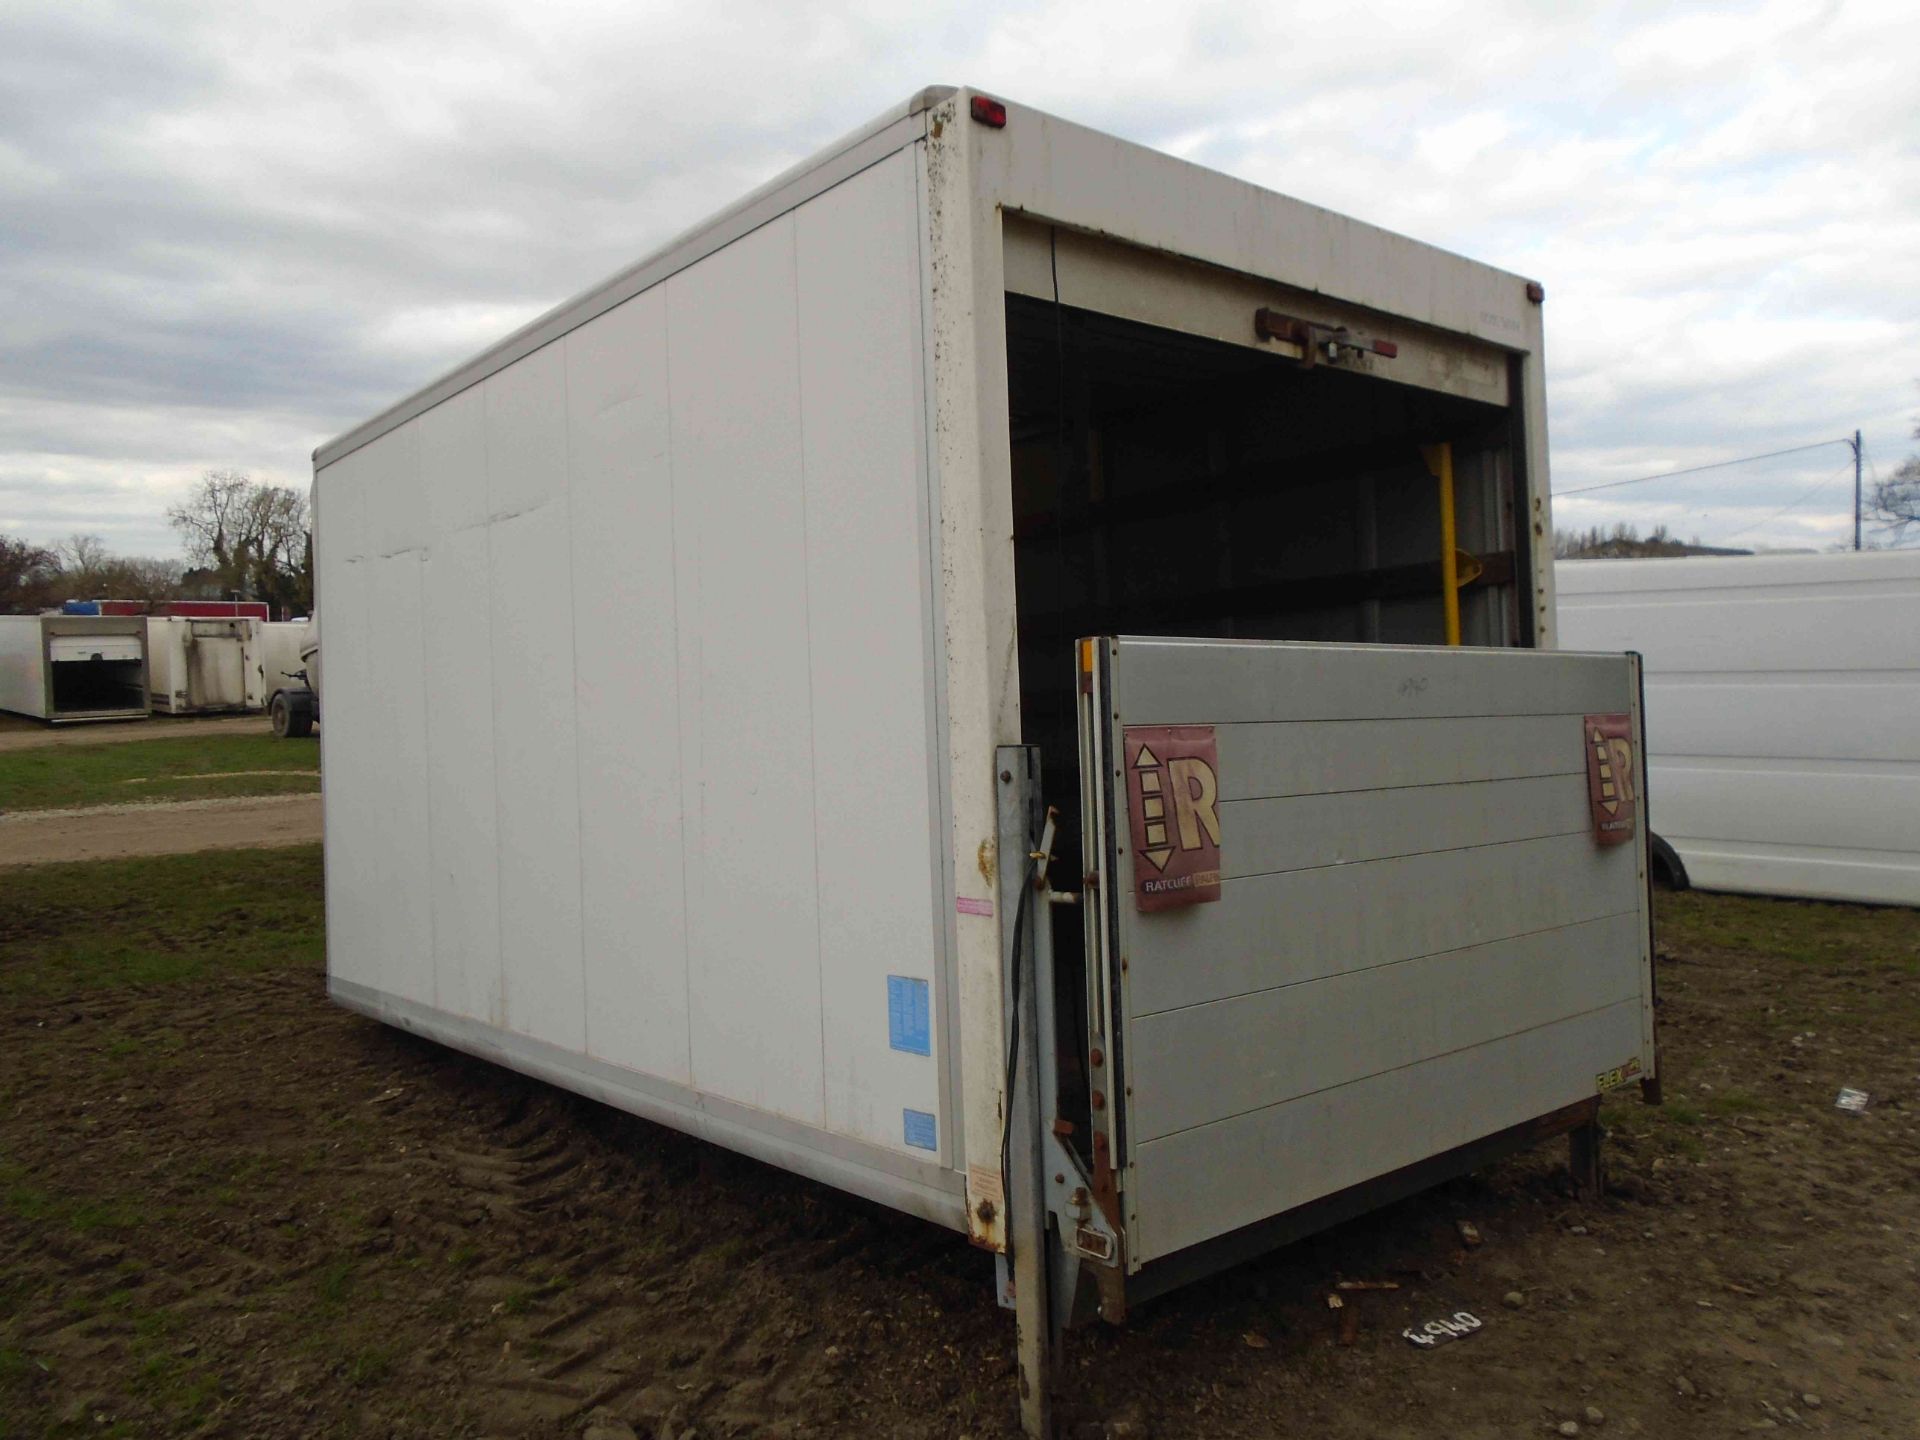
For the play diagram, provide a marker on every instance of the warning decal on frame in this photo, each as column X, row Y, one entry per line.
column 1610, row 776
column 1173, row 808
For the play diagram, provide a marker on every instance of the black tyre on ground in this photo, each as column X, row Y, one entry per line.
column 1668, row 868
column 291, row 716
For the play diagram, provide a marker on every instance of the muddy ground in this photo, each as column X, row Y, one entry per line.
column 108, row 832
column 18, row 732
column 232, row 1209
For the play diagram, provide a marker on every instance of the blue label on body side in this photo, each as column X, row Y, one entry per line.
column 908, row 1025
column 919, row 1129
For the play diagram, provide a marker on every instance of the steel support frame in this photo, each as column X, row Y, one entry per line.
column 1023, row 902
column 1066, row 1263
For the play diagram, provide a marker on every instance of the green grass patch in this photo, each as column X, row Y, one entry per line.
column 184, row 767
column 1801, row 931
column 518, row 1301
column 20, row 1376
column 177, row 1387
column 369, row 1365
column 21, row 1198
column 159, row 919
column 230, row 1180
column 15, row 1291
column 336, row 1304
column 333, row 1285
column 1728, row 1104
column 1672, row 1127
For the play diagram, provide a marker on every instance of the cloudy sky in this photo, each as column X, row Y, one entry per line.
column 229, row 231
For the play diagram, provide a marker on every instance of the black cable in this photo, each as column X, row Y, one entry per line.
column 1818, row 486
column 1696, row 469
column 1062, row 447
column 1013, row 1063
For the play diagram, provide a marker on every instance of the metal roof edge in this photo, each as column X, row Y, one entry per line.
column 1320, row 211
column 852, row 152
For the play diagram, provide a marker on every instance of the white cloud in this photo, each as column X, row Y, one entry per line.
column 228, row 231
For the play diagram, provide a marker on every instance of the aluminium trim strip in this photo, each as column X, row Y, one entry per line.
column 897, row 1181
column 839, row 161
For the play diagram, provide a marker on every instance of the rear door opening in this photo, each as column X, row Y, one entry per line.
column 96, row 675
column 1170, row 484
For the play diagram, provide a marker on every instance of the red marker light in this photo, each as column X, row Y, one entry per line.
column 1386, row 349
column 989, row 112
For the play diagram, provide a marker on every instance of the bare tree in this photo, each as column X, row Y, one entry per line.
column 87, row 570
column 213, row 522
column 82, row 555
column 251, row 537
column 28, row 575
column 82, row 568
column 141, row 577
column 1896, row 499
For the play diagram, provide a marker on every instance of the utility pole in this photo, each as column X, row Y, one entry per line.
column 1855, row 443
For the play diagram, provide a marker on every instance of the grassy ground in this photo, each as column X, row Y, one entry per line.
column 182, row 925
column 181, row 768
column 1799, row 932
column 163, row 919
column 1870, row 948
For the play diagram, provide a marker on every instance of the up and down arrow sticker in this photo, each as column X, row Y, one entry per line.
column 1174, row 807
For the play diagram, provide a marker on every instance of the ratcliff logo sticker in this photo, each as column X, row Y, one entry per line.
column 1173, row 810
column 1610, row 777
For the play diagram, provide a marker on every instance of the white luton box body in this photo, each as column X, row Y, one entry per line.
column 205, row 665
column 281, row 662
column 67, row 668
column 1783, row 714
column 704, row 659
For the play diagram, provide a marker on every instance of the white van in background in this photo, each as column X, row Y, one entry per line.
column 1783, row 714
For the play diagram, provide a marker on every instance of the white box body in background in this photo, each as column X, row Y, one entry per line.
column 64, row 668
column 1783, row 713
column 205, row 666
column 280, row 642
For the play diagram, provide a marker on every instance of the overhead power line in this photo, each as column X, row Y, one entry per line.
column 1697, row 469
column 1795, row 504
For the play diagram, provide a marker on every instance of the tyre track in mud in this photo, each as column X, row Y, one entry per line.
column 312, row 1198
column 654, row 1309
column 232, row 1209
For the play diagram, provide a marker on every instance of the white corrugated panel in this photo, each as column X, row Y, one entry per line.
column 627, row 685
column 628, row 712
column 868, row 598
column 457, row 673
column 535, row 775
